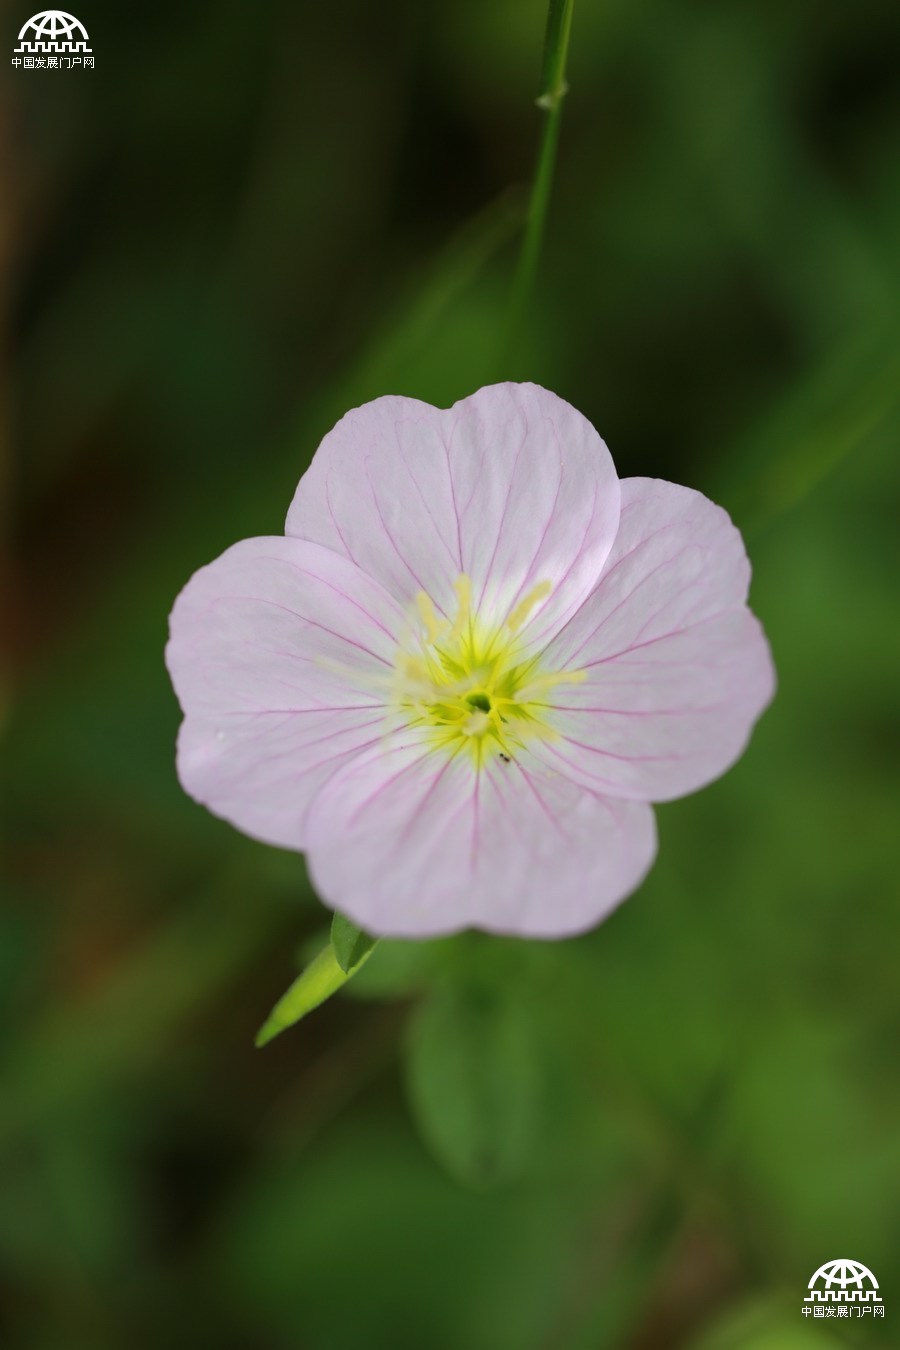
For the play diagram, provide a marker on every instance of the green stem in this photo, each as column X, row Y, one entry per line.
column 553, row 91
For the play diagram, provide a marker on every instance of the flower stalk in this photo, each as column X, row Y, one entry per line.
column 550, row 100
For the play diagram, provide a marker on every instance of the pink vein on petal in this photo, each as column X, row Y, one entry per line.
column 424, row 500
column 334, row 519
column 313, row 623
column 507, row 500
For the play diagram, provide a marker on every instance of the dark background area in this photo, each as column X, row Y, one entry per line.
column 243, row 221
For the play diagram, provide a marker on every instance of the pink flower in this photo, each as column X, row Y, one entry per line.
column 470, row 664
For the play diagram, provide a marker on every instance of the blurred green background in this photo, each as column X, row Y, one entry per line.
column 244, row 221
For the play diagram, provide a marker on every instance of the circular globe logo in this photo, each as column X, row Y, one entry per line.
column 53, row 25
column 844, row 1275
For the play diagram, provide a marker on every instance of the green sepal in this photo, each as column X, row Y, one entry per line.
column 323, row 977
column 350, row 944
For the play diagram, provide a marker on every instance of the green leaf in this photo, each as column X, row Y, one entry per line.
column 350, row 944
column 474, row 1083
column 321, row 978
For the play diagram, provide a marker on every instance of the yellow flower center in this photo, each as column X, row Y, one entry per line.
column 471, row 683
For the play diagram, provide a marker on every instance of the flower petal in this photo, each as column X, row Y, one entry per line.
column 511, row 487
column 409, row 842
column 677, row 669
column 281, row 653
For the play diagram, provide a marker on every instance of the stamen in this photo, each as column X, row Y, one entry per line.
column 463, row 587
column 526, row 605
column 429, row 617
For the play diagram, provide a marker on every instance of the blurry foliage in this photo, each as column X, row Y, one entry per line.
column 235, row 228
column 474, row 1082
